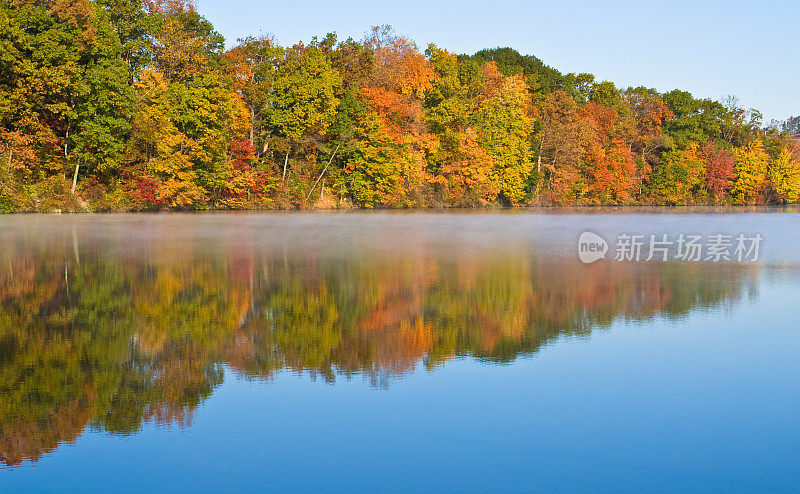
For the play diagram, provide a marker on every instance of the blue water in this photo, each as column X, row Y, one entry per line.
column 706, row 400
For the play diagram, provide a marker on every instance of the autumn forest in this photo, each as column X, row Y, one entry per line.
column 137, row 105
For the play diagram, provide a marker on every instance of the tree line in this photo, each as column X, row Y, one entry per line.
column 109, row 105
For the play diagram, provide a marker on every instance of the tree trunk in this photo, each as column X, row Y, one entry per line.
column 285, row 164
column 264, row 152
column 539, row 156
column 75, row 176
column 323, row 172
column 252, row 127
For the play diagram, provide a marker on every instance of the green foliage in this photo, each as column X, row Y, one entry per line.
column 694, row 120
column 539, row 77
column 102, row 100
column 379, row 169
column 303, row 94
column 679, row 177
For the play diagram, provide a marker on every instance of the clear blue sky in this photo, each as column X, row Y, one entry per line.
column 711, row 48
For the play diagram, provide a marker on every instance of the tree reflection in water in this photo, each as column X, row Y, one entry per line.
column 122, row 333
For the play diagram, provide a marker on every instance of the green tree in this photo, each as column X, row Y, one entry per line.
column 303, row 100
column 695, row 120
column 102, row 100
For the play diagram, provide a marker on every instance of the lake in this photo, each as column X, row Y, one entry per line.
column 381, row 351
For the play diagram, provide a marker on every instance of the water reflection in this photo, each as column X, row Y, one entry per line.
column 114, row 331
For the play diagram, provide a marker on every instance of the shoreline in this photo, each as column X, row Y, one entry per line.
column 688, row 209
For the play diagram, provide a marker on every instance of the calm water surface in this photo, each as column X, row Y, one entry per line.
column 388, row 351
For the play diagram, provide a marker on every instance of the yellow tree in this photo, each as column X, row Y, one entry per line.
column 163, row 150
column 468, row 172
column 680, row 176
column 784, row 176
column 751, row 172
column 460, row 166
column 504, row 123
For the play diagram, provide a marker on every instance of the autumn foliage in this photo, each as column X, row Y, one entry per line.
column 139, row 106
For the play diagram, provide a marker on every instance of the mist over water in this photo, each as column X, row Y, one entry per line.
column 318, row 350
